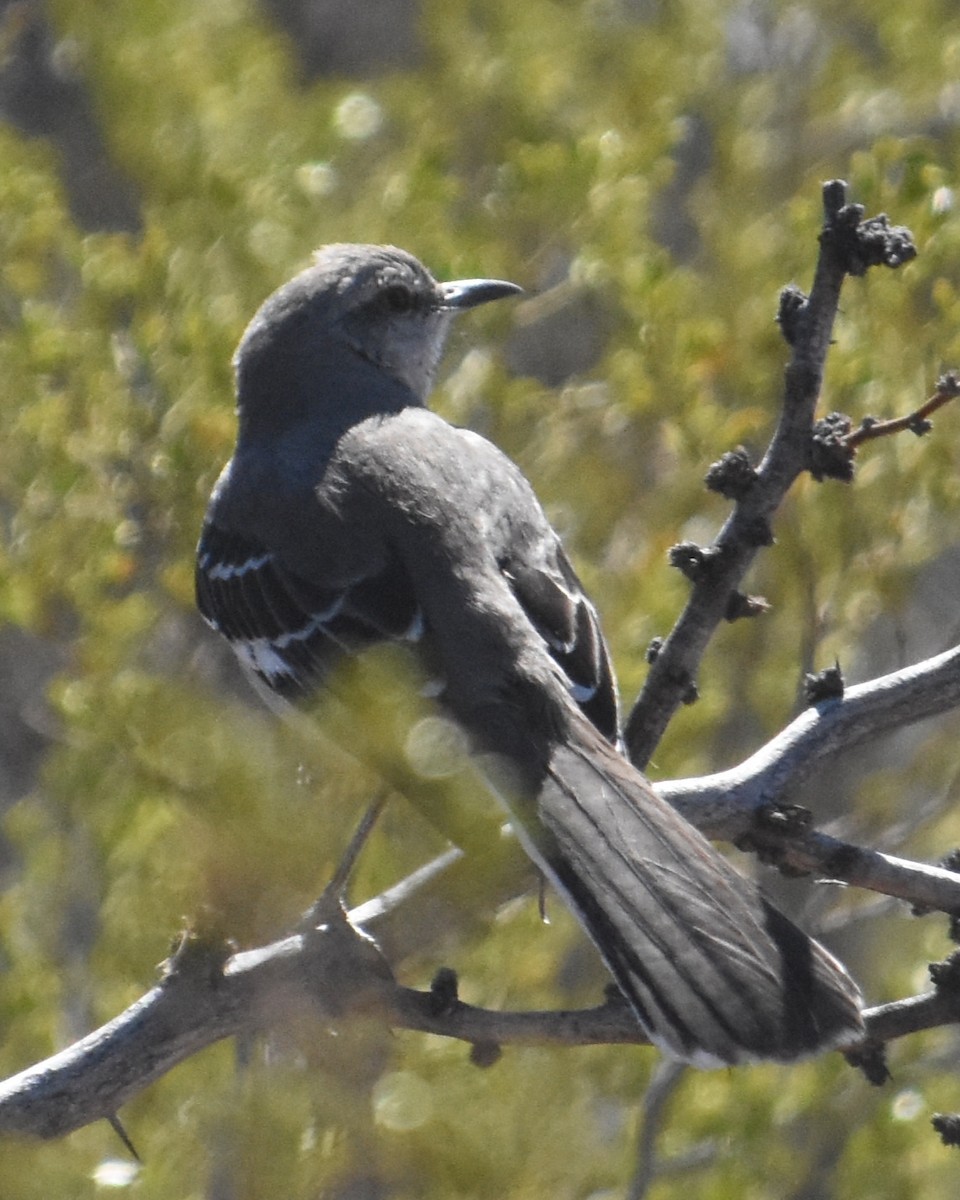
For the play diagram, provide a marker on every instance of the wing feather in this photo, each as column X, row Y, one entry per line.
column 286, row 630
column 554, row 600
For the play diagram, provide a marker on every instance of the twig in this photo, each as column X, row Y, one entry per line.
column 848, row 245
column 814, row 853
column 900, row 1018
column 917, row 422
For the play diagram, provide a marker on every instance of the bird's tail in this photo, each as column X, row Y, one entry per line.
column 715, row 974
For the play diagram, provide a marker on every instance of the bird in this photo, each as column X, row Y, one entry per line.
column 351, row 514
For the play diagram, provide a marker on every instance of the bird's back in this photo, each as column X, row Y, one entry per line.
column 458, row 558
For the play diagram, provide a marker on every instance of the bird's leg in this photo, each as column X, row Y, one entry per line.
column 542, row 897
column 332, row 896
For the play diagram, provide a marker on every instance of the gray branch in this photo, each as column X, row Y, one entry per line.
column 336, row 972
column 849, row 245
column 723, row 804
column 745, row 804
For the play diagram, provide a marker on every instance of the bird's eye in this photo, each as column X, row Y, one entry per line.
column 398, row 299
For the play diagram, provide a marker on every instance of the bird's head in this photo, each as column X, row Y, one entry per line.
column 377, row 302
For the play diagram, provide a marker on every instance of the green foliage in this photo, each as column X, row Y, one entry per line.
column 538, row 141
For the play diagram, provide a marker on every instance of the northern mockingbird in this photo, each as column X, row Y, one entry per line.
column 350, row 514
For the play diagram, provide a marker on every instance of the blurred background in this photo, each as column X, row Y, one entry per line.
column 649, row 171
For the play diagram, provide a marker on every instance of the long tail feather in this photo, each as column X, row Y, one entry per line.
column 715, row 974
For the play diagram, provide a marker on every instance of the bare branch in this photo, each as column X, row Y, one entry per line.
column 848, row 245
column 887, row 1022
column 819, row 854
column 746, row 804
column 723, row 805
column 917, row 422
column 204, row 996
column 334, row 971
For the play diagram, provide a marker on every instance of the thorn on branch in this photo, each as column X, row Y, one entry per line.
column 947, row 1125
column 827, row 684
column 485, row 1054
column 732, row 476
column 693, row 561
column 773, row 823
column 444, row 992
column 860, row 244
column 946, row 975
column 830, row 455
column 790, row 312
column 114, row 1122
column 740, row 606
column 653, row 649
column 870, row 1057
column 198, row 957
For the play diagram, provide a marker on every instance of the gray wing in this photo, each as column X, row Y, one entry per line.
column 286, row 630
column 289, row 632
column 557, row 606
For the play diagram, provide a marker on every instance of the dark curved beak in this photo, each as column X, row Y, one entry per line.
column 468, row 293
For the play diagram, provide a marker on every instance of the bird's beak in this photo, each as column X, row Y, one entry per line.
column 468, row 293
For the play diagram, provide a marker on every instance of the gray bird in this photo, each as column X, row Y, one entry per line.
column 351, row 514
